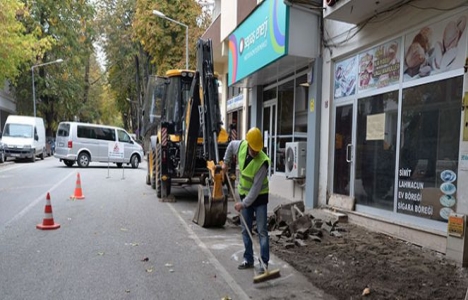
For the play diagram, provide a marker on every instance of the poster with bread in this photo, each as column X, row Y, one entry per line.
column 380, row 66
column 435, row 48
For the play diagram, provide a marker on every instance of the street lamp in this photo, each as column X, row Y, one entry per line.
column 161, row 15
column 33, row 86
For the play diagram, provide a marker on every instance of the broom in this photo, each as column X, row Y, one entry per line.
column 267, row 275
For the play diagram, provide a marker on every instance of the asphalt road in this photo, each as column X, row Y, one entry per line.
column 119, row 242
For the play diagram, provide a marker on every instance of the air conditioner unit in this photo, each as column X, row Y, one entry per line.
column 296, row 160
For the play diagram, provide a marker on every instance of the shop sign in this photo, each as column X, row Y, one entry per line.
column 380, row 66
column 345, row 77
column 416, row 198
column 436, row 48
column 456, row 225
column 235, row 102
column 259, row 40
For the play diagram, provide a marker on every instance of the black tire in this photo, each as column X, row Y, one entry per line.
column 119, row 165
column 2, row 157
column 83, row 160
column 69, row 163
column 134, row 161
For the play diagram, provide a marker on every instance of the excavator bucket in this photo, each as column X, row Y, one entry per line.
column 210, row 212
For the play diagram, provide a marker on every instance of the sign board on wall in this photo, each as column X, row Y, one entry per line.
column 430, row 50
column 235, row 102
column 259, row 40
column 416, row 198
column 345, row 77
column 380, row 66
column 436, row 48
column 456, row 225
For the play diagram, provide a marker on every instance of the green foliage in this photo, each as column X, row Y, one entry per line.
column 136, row 43
column 17, row 46
column 62, row 90
column 160, row 37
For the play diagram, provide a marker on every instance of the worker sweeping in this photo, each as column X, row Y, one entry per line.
column 253, row 190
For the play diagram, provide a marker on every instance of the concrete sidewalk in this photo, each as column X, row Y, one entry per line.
column 291, row 284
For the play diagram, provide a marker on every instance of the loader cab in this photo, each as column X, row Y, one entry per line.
column 177, row 95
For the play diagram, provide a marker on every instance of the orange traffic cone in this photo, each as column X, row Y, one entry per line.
column 48, row 221
column 78, row 192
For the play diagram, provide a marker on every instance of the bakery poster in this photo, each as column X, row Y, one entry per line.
column 419, row 198
column 345, row 77
column 435, row 48
column 380, row 66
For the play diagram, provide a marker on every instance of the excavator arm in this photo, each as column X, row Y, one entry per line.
column 212, row 200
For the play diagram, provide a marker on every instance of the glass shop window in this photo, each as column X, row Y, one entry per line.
column 429, row 146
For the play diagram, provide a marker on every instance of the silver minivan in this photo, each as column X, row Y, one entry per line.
column 84, row 143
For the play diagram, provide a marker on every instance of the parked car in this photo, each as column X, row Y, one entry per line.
column 23, row 137
column 83, row 143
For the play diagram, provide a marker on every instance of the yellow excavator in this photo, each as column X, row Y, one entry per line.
column 186, row 140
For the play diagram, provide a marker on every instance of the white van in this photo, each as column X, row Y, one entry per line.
column 84, row 143
column 24, row 137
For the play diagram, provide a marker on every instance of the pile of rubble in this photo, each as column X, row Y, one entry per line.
column 291, row 226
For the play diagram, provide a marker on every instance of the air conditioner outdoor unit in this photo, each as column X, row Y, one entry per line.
column 296, row 159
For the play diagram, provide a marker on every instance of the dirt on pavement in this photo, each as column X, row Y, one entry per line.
column 388, row 267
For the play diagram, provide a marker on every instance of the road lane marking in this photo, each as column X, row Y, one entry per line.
column 228, row 278
column 35, row 202
column 4, row 169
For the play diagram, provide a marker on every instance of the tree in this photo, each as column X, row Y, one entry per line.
column 159, row 37
column 18, row 47
column 61, row 89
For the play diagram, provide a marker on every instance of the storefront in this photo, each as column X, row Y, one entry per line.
column 397, row 130
column 7, row 103
column 234, row 109
column 270, row 55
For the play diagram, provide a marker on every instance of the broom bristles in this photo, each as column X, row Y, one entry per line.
column 268, row 275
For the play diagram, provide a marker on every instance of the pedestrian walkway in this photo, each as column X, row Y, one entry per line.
column 291, row 284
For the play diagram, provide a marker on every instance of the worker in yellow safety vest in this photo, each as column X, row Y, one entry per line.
column 253, row 190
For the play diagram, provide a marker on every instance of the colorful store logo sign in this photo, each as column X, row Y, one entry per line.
column 259, row 40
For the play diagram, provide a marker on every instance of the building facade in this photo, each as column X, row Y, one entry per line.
column 373, row 91
column 7, row 104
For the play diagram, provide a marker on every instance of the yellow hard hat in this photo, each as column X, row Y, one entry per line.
column 254, row 138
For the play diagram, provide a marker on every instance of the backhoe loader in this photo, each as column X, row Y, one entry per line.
column 186, row 139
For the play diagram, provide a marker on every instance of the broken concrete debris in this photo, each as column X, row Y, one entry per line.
column 290, row 225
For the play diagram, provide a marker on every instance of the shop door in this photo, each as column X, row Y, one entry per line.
column 269, row 131
column 343, row 159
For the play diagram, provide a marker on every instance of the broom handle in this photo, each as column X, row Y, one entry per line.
column 243, row 220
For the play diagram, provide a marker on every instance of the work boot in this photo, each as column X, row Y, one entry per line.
column 245, row 265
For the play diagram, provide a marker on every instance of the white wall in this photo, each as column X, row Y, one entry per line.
column 228, row 18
